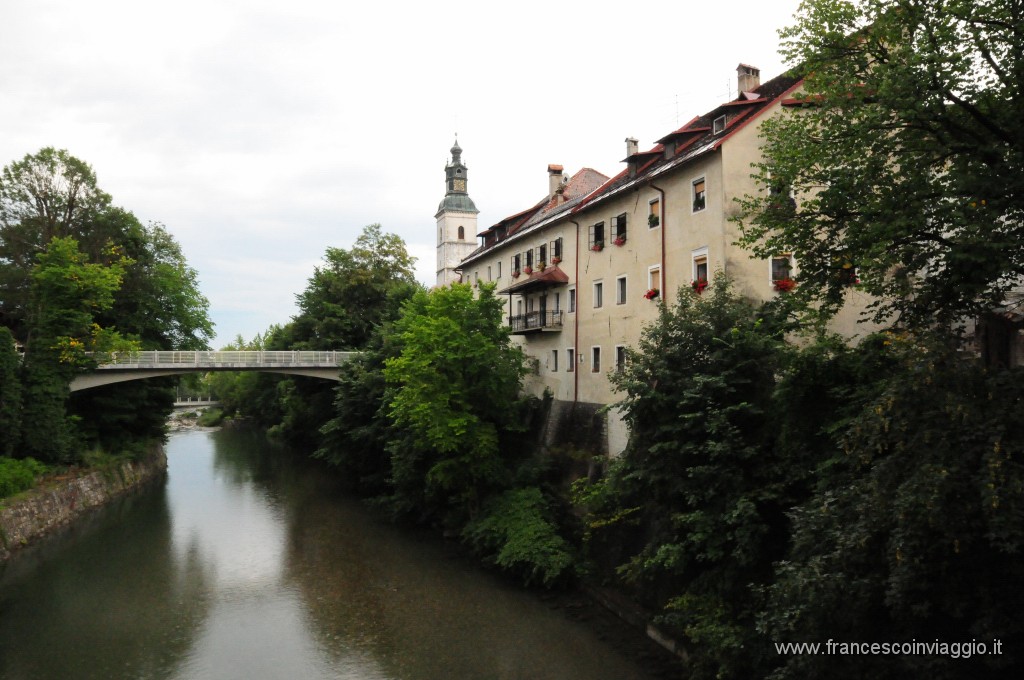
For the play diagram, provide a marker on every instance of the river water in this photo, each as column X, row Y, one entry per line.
column 248, row 563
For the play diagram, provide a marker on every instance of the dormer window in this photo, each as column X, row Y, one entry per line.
column 718, row 126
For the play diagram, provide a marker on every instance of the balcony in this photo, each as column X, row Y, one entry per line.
column 533, row 322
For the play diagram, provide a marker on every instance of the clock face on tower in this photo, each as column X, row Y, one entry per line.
column 459, row 185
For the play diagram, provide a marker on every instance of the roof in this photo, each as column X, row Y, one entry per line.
column 551, row 276
column 587, row 187
column 457, row 202
column 696, row 138
column 572, row 193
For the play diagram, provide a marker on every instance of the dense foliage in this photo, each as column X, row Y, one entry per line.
column 775, row 493
column 79, row 275
column 906, row 161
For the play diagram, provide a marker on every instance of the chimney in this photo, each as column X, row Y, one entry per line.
column 748, row 79
column 554, row 179
column 632, row 146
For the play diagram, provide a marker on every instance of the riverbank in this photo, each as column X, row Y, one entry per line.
column 61, row 499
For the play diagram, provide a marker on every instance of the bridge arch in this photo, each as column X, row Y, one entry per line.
column 122, row 367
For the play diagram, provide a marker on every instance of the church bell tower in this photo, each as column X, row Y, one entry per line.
column 456, row 220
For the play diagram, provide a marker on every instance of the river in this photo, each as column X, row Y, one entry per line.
column 248, row 563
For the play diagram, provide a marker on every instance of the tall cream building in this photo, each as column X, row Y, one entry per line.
column 582, row 269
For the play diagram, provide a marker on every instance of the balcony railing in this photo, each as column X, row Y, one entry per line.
column 536, row 321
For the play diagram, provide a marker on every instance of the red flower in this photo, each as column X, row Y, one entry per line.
column 652, row 293
column 699, row 285
column 784, row 285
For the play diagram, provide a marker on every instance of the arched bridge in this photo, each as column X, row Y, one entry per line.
column 121, row 367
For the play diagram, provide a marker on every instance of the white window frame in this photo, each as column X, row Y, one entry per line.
column 598, row 294
column 572, row 300
column 696, row 257
column 718, row 125
column 620, row 352
column 651, row 211
column 693, row 194
column 570, row 354
column 621, row 290
column 650, row 278
column 554, row 361
column 595, row 359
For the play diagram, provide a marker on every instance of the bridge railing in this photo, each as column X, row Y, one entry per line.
column 221, row 358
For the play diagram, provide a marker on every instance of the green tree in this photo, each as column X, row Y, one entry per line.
column 10, row 393
column 915, row 530
column 345, row 303
column 701, row 492
column 906, row 160
column 67, row 292
column 44, row 196
column 454, row 389
column 354, row 292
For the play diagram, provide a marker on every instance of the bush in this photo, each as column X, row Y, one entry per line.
column 211, row 417
column 515, row 533
column 18, row 475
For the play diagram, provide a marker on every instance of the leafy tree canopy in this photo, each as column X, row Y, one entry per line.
column 906, row 160
column 355, row 291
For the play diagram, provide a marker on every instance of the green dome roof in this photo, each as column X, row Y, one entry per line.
column 459, row 202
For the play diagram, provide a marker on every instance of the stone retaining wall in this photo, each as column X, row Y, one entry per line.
column 60, row 501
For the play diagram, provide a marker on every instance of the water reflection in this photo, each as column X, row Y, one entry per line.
column 249, row 564
column 111, row 599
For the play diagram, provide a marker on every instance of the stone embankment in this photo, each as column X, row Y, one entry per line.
column 62, row 499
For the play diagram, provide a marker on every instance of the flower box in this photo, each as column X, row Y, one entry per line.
column 527, row 269
column 620, row 241
column 556, row 260
column 597, row 247
column 784, row 285
column 652, row 293
column 699, row 285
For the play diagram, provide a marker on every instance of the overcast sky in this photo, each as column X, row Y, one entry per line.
column 261, row 133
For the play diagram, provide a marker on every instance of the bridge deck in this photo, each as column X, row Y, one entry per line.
column 221, row 360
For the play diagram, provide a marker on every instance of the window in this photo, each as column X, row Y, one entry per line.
column 554, row 361
column 699, row 197
column 556, row 249
column 620, row 358
column 700, row 269
column 596, row 236
column 572, row 300
column 619, row 229
column 654, row 278
column 499, row 269
column 542, row 254
column 654, row 213
column 718, row 125
column 515, row 263
column 462, row 233
column 558, row 302
column 782, row 267
column 529, row 258
column 570, row 359
column 489, row 273
column 595, row 362
column 519, row 307
column 620, row 290
column 598, row 294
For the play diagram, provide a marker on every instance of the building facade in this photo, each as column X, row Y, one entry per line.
column 583, row 270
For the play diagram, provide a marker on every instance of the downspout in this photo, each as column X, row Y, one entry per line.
column 576, row 322
column 664, row 227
